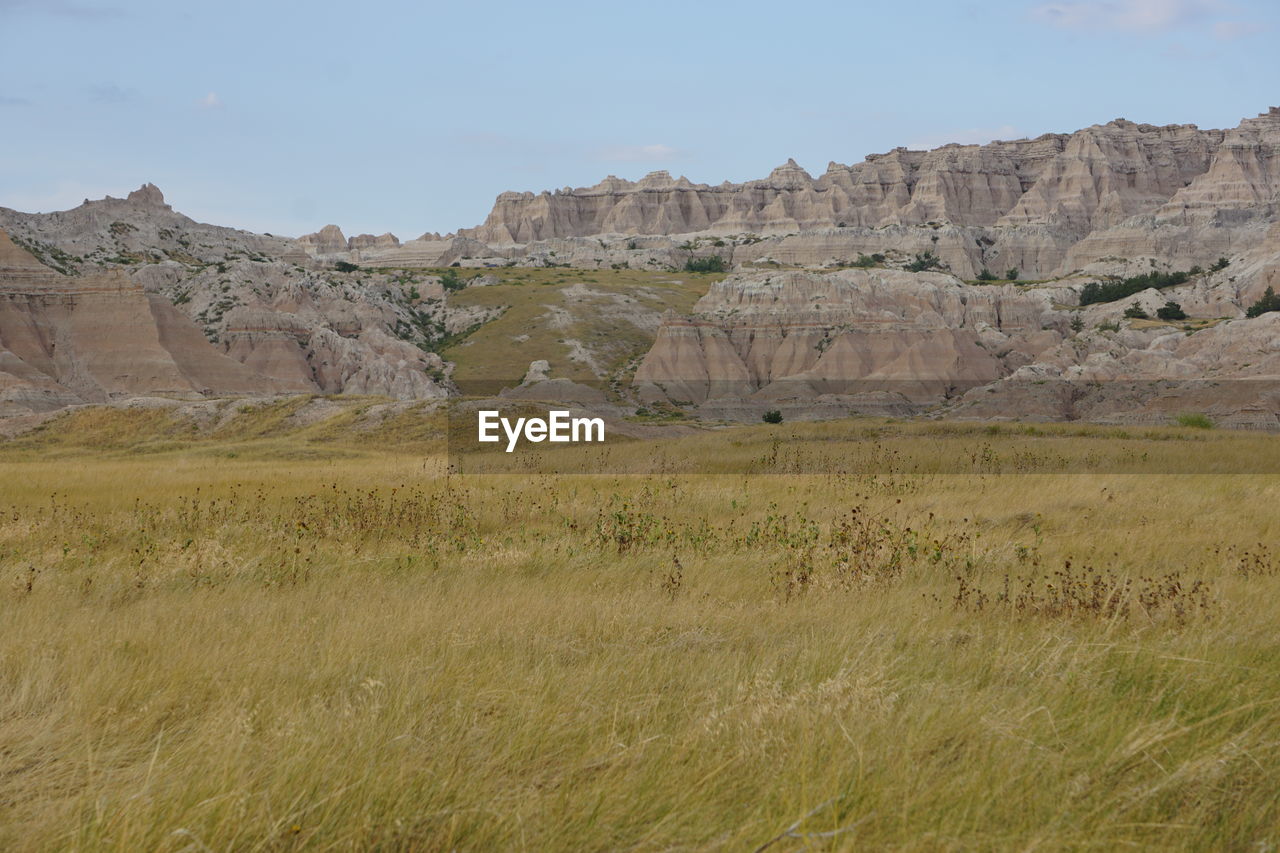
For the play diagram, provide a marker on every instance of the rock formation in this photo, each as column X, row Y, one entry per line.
column 893, row 342
column 1046, row 205
column 804, row 336
column 66, row 340
column 329, row 240
column 254, row 305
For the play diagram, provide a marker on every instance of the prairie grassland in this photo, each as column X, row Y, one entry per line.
column 549, row 312
column 298, row 642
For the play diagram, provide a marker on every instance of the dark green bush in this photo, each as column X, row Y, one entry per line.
column 986, row 275
column 1110, row 291
column 1012, row 274
column 346, row 266
column 1171, row 311
column 773, row 416
column 925, row 261
column 1269, row 302
column 714, row 263
column 451, row 281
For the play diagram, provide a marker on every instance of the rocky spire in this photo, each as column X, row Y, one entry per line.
column 148, row 194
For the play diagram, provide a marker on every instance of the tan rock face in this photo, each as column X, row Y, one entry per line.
column 236, row 312
column 368, row 241
column 92, row 338
column 329, row 240
column 1230, row 372
column 825, row 343
column 149, row 195
column 804, row 335
column 1045, row 206
column 1095, row 177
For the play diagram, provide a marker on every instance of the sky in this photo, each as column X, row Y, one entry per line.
column 411, row 117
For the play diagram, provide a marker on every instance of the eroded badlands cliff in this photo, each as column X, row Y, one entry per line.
column 946, row 281
column 67, row 340
column 128, row 297
column 1045, row 206
column 887, row 341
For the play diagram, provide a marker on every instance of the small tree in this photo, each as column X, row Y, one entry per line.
column 1077, row 323
column 345, row 266
column 986, row 275
column 773, row 416
column 1135, row 312
column 1171, row 311
column 1012, row 274
column 451, row 281
column 925, row 261
column 1221, row 264
column 1268, row 302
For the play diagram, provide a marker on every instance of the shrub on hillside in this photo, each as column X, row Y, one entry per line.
column 714, row 263
column 1171, row 311
column 1110, row 291
column 1195, row 421
column 773, row 416
column 451, row 281
column 925, row 261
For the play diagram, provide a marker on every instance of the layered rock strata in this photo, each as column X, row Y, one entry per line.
column 807, row 336
column 68, row 340
column 891, row 342
column 1045, row 206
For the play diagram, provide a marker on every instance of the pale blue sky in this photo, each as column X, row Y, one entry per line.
column 411, row 117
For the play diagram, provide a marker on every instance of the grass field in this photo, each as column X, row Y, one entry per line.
column 272, row 639
column 589, row 324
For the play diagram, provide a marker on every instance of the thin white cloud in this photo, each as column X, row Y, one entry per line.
column 1232, row 30
column 638, row 153
column 970, row 136
column 211, row 101
column 8, row 101
column 1135, row 16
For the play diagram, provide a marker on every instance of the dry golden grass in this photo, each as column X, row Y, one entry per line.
column 357, row 650
column 499, row 352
